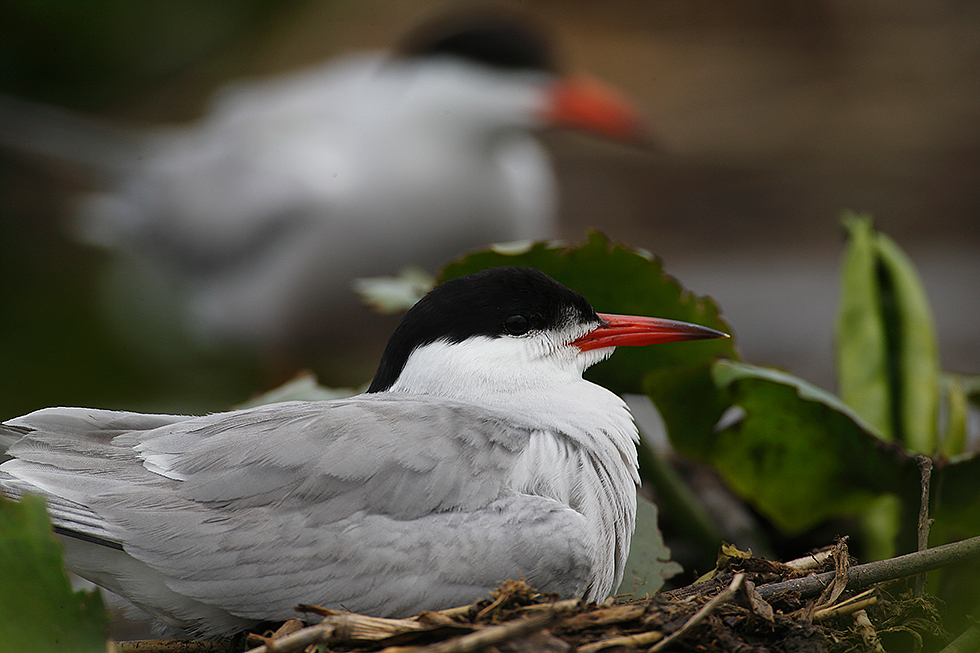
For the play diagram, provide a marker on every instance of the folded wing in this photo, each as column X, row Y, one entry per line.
column 387, row 504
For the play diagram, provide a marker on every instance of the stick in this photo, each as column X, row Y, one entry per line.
column 726, row 595
column 640, row 640
column 849, row 606
column 812, row 561
column 298, row 640
column 485, row 638
column 925, row 470
column 870, row 573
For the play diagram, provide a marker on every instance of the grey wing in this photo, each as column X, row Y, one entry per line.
column 383, row 504
column 67, row 456
column 217, row 190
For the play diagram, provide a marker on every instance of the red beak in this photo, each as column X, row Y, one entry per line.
column 585, row 104
column 620, row 330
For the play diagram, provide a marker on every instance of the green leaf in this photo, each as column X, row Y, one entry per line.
column 887, row 357
column 649, row 564
column 862, row 366
column 38, row 609
column 616, row 279
column 953, row 438
column 397, row 294
column 798, row 453
column 302, row 387
column 956, row 496
column 690, row 404
column 956, row 514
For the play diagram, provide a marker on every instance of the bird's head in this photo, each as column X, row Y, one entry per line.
column 509, row 327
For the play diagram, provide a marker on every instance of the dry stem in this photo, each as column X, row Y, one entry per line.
column 925, row 470
column 862, row 576
column 848, row 606
column 298, row 640
column 485, row 638
column 640, row 640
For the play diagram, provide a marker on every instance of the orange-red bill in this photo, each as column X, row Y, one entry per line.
column 632, row 330
column 587, row 104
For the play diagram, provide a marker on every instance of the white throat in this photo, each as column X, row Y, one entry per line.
column 582, row 450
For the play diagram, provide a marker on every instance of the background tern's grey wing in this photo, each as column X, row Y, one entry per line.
column 382, row 504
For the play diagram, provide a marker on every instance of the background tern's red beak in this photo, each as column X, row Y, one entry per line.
column 588, row 105
column 620, row 330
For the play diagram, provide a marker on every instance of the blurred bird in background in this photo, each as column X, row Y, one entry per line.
column 253, row 221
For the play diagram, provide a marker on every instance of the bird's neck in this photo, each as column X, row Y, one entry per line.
column 582, row 449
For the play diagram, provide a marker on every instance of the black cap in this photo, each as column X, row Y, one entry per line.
column 493, row 37
column 494, row 303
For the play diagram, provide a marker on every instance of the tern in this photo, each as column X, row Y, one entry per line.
column 256, row 218
column 478, row 454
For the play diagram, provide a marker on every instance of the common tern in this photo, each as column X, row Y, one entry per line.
column 478, row 454
column 256, row 218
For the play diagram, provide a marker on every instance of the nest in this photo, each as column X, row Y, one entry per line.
column 747, row 604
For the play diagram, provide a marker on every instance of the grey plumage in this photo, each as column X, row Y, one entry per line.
column 479, row 454
column 338, row 496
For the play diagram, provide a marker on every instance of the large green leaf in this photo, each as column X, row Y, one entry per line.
column 649, row 564
column 38, row 609
column 616, row 279
column 956, row 515
column 887, row 358
column 690, row 405
column 797, row 452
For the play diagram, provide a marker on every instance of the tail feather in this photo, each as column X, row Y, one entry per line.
column 97, row 146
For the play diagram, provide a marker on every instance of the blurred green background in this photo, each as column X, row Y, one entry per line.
column 770, row 117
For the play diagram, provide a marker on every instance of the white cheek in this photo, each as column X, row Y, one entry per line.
column 483, row 366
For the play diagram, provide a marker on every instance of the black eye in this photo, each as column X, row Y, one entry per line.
column 517, row 325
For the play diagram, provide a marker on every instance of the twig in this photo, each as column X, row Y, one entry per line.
column 848, row 606
column 925, row 470
column 700, row 588
column 725, row 595
column 640, row 640
column 862, row 576
column 353, row 626
column 287, row 628
column 616, row 614
column 485, row 638
column 458, row 611
column 559, row 606
column 812, row 561
column 868, row 632
column 298, row 640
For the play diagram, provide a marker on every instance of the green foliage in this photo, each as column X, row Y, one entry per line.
column 887, row 358
column 649, row 564
column 796, row 451
column 801, row 453
column 38, row 609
